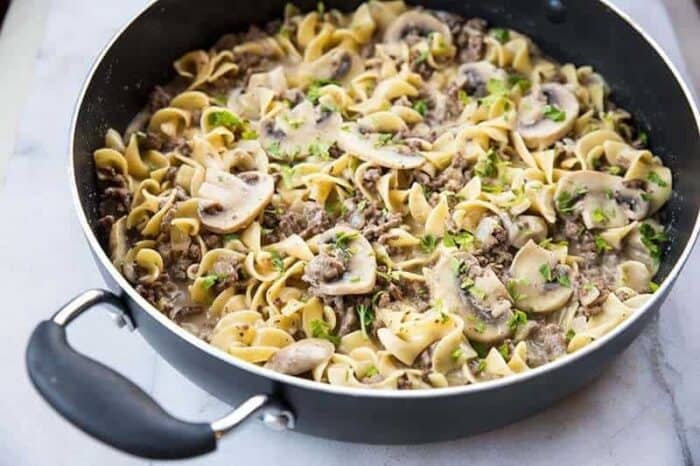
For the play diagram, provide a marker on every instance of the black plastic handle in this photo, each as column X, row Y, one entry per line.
column 102, row 402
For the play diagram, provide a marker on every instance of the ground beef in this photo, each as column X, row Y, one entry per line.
column 115, row 197
column 370, row 178
column 162, row 293
column 159, row 98
column 306, row 221
column 324, row 268
column 374, row 221
column 546, row 343
column 453, row 178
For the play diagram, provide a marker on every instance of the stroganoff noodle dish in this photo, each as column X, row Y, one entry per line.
column 388, row 198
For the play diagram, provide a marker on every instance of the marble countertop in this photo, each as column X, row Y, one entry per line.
column 644, row 410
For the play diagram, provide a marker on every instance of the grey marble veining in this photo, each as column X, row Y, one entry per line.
column 644, row 410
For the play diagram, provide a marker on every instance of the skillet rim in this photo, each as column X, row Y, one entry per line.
column 657, row 298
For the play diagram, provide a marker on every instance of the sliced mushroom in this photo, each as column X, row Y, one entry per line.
column 525, row 228
column 289, row 134
column 360, row 269
column 371, row 148
column 603, row 200
column 118, row 242
column 486, row 309
column 540, row 121
column 301, row 356
column 538, row 282
column 339, row 64
column 417, row 22
column 230, row 202
column 474, row 77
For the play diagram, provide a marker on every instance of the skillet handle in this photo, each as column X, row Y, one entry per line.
column 111, row 408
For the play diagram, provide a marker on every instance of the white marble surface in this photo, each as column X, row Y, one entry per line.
column 645, row 409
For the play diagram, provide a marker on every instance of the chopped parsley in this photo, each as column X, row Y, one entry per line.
column 274, row 150
column 428, row 243
column 321, row 8
column 653, row 240
column 277, row 261
column 564, row 281
column 321, row 150
column 225, row 119
column 342, row 240
column 481, row 366
column 656, row 179
column 383, row 139
column 372, row 371
column 287, row 175
column 570, row 334
column 599, row 216
column 513, row 292
column 477, row 293
column 335, row 208
column 422, row 57
column 321, row 329
column 457, row 354
column 554, row 113
column 481, row 348
column 461, row 240
column 546, row 272
column 614, row 170
column 463, row 97
column 366, row 315
column 496, row 86
column 501, row 35
column 421, row 107
column 210, row 280
column 565, row 202
column 515, row 80
column 466, row 283
column 231, row 237
column 653, row 287
column 643, row 138
column 518, row 319
column 249, row 133
column 488, row 167
column 601, row 245
column 504, row 349
column 314, row 91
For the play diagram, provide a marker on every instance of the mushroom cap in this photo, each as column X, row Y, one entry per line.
column 301, row 356
column 230, row 202
column 535, row 294
column 606, row 202
column 295, row 130
column 473, row 77
column 338, row 64
column 367, row 148
column 360, row 272
column 480, row 323
column 416, row 20
column 536, row 129
column 524, row 228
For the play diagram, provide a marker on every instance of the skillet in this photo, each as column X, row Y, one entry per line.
column 109, row 407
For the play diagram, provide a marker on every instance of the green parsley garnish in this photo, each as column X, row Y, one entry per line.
column 614, row 170
column 656, row 179
column 554, row 113
column 457, row 354
column 653, row 240
column 274, row 150
column 487, row 167
column 504, row 349
column 321, row 8
column 422, row 57
column 321, row 150
column 518, row 319
column 428, row 243
column 421, row 107
column 601, row 245
column 564, row 281
column 287, row 175
column 513, row 292
column 461, row 240
column 383, row 139
column 546, row 272
column 653, row 287
column 321, row 329
column 277, row 261
column 463, row 97
column 342, row 240
column 481, row 367
column 366, row 315
column 210, row 280
column 225, row 119
column 481, row 348
column 516, row 80
column 231, row 237
column 643, row 138
column 496, row 86
column 477, row 292
column 565, row 202
column 501, row 35
column 372, row 371
column 314, row 90
column 599, row 216
column 249, row 133
column 570, row 334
